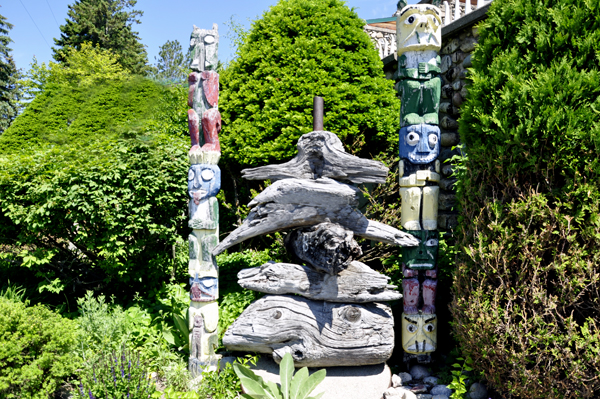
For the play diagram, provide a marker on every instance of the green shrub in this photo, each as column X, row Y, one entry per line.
column 36, row 347
column 527, row 282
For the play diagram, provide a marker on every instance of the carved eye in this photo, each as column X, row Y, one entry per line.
column 412, row 138
column 432, row 242
column 433, row 139
column 209, row 40
column 411, row 328
column 191, row 174
column 207, row 174
column 410, row 20
column 276, row 314
column 429, row 327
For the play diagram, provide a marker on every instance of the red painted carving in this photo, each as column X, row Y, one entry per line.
column 431, row 273
column 210, row 85
column 429, row 290
column 194, row 128
column 193, row 84
column 406, row 272
column 211, row 126
column 410, row 287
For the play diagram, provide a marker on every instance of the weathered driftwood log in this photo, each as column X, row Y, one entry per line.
column 358, row 283
column 293, row 203
column 321, row 154
column 327, row 247
column 315, row 333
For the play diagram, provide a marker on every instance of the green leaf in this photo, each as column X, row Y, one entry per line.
column 274, row 389
column 297, row 381
column 311, row 383
column 286, row 371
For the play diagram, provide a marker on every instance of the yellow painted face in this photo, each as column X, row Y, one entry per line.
column 418, row 28
column 419, row 333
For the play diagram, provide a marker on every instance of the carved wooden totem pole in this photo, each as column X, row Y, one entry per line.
column 204, row 182
column 337, row 317
column 419, row 29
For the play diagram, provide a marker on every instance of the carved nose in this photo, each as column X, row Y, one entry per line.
column 423, row 146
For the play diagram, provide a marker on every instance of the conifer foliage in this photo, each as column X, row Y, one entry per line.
column 527, row 284
column 8, row 78
column 108, row 24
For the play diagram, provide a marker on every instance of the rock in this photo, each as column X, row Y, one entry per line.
column 424, row 396
column 464, row 92
column 449, row 123
column 406, row 394
column 475, row 32
column 419, row 389
column 446, row 108
column 478, row 391
column 456, row 85
column 447, row 169
column 419, row 372
column 392, row 393
column 447, row 184
column 430, row 380
column 449, row 139
column 446, row 63
column 405, row 378
column 366, row 382
column 467, row 62
column 439, row 397
column 468, row 45
column 447, row 91
column 457, row 100
column 458, row 57
column 446, row 202
column 451, row 47
column 441, row 390
column 396, row 381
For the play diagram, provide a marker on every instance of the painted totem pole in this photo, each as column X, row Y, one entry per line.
column 419, row 29
column 204, row 182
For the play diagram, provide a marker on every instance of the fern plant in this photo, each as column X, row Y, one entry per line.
column 298, row 386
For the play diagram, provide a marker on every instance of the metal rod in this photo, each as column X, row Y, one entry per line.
column 317, row 113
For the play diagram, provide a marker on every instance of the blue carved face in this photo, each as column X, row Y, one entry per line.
column 203, row 181
column 420, row 144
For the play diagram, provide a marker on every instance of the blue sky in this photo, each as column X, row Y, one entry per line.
column 36, row 22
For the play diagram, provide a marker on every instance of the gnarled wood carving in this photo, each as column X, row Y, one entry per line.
column 293, row 203
column 315, row 333
column 358, row 283
column 321, row 154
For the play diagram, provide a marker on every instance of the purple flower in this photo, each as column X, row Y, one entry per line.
column 91, row 396
column 81, row 388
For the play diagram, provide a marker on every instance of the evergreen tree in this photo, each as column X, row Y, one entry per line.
column 8, row 78
column 171, row 65
column 527, row 282
column 108, row 24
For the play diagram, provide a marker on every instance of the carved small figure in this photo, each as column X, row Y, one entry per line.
column 205, row 289
column 327, row 247
column 204, row 182
column 419, row 27
column 419, row 333
column 420, row 144
column 424, row 256
column 429, row 291
column 410, row 288
column 420, row 101
column 203, row 46
column 197, row 333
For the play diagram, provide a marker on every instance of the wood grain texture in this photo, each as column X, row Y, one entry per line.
column 357, row 284
column 315, row 333
column 293, row 203
column 321, row 154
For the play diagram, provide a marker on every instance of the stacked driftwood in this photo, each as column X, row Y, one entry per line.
column 336, row 316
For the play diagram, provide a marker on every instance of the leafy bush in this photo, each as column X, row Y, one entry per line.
column 528, row 281
column 35, row 350
column 223, row 383
column 97, row 196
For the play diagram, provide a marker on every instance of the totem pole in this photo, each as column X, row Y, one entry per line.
column 204, row 182
column 419, row 30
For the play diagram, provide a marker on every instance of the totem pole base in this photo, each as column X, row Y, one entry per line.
column 197, row 367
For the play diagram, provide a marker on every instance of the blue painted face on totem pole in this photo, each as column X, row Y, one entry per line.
column 420, row 144
column 204, row 181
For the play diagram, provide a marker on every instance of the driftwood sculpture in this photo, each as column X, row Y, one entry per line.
column 293, row 203
column 315, row 333
column 356, row 284
column 321, row 154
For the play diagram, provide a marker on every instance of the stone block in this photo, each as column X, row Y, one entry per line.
column 456, row 86
column 446, row 202
column 441, row 390
column 430, row 380
column 468, row 44
column 457, row 99
column 419, row 372
column 424, row 396
column 449, row 139
column 447, row 184
column 467, row 62
column 478, row 391
column 451, row 47
column 447, row 153
column 449, row 123
column 447, row 169
column 403, row 379
column 446, row 63
column 475, row 32
column 464, row 92
column 447, row 91
column 458, row 57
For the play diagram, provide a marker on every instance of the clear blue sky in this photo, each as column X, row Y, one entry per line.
column 36, row 22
